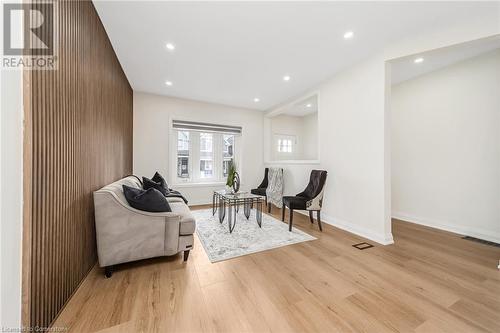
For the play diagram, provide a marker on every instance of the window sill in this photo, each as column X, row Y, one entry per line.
column 293, row 162
column 198, row 184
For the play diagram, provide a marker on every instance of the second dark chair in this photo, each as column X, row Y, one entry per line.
column 261, row 189
column 311, row 199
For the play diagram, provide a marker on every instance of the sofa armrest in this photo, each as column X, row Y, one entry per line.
column 126, row 234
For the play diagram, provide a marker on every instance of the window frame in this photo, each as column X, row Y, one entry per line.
column 194, row 178
column 285, row 148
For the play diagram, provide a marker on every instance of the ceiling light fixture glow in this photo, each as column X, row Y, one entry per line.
column 418, row 60
column 256, row 100
column 309, row 105
column 348, row 35
column 168, row 83
column 170, row 46
column 286, row 78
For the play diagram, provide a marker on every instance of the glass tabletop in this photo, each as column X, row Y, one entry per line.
column 240, row 195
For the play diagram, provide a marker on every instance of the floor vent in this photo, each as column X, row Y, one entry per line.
column 482, row 241
column 362, row 246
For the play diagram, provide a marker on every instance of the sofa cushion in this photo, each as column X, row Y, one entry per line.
column 150, row 200
column 173, row 199
column 187, row 224
column 176, row 194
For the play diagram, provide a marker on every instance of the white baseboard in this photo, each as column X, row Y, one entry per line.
column 363, row 232
column 354, row 229
column 199, row 202
column 381, row 239
column 488, row 235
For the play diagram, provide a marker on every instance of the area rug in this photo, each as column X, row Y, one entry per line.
column 246, row 237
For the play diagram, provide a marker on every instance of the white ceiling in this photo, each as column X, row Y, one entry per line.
column 302, row 108
column 232, row 52
column 405, row 68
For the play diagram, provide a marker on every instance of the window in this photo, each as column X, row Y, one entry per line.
column 228, row 153
column 206, row 142
column 203, row 156
column 284, row 145
column 183, row 154
column 206, row 155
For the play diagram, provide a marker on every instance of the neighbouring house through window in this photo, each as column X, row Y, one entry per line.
column 228, row 153
column 203, row 156
column 183, row 154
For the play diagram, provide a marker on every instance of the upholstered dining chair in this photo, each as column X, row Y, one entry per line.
column 261, row 189
column 311, row 199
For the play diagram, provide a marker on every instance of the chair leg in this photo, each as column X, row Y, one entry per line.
column 311, row 216
column 269, row 208
column 291, row 220
column 283, row 213
column 186, row 255
column 318, row 215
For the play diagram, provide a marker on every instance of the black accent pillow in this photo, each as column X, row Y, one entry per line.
column 150, row 200
column 149, row 183
column 159, row 179
column 162, row 183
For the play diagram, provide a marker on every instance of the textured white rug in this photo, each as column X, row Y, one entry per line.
column 246, row 237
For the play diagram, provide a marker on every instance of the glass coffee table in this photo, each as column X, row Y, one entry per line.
column 224, row 199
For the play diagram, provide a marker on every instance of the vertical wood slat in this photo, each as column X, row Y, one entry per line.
column 78, row 138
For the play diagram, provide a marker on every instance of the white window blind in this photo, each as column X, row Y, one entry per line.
column 183, row 125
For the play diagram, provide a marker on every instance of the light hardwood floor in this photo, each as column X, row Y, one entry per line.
column 428, row 281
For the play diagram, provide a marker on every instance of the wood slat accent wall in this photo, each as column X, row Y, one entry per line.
column 78, row 138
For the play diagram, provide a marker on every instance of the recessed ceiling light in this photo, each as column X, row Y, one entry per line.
column 286, row 78
column 418, row 60
column 170, row 46
column 348, row 35
column 309, row 105
column 168, row 83
column 256, row 100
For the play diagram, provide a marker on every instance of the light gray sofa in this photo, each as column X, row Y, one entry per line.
column 126, row 234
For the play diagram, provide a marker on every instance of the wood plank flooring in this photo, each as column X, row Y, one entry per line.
column 428, row 281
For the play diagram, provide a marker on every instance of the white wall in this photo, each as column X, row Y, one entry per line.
column 310, row 137
column 11, row 182
column 305, row 131
column 446, row 148
column 351, row 122
column 355, row 137
column 287, row 126
column 351, row 141
column 152, row 117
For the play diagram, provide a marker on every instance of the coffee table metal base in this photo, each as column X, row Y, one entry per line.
column 229, row 206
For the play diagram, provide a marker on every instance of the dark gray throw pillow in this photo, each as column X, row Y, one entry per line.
column 157, row 182
column 160, row 186
column 150, row 200
column 159, row 179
